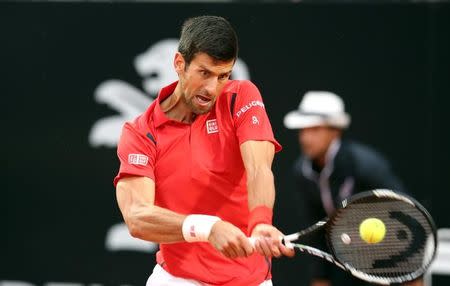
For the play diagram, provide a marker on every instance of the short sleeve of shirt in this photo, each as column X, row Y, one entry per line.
column 250, row 116
column 136, row 153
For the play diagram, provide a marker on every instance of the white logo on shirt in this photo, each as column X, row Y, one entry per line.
column 255, row 120
column 248, row 106
column 137, row 159
column 211, row 126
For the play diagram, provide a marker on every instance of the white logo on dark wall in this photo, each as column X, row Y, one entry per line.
column 155, row 66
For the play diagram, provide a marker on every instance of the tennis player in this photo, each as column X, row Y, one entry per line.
column 195, row 169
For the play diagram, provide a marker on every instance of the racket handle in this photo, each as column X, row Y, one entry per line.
column 285, row 242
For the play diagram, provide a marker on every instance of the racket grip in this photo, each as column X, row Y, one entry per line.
column 252, row 241
column 285, row 242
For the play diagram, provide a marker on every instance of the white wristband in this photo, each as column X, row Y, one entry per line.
column 198, row 227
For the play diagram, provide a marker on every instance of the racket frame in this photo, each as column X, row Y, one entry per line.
column 381, row 193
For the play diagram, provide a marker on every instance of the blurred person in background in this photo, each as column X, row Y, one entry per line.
column 329, row 170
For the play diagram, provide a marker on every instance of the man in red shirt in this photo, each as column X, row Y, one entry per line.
column 195, row 173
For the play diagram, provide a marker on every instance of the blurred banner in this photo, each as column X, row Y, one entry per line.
column 73, row 73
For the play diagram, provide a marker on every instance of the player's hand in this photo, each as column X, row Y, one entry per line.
column 230, row 240
column 268, row 241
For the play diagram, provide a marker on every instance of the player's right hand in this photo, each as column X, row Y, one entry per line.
column 230, row 240
column 268, row 241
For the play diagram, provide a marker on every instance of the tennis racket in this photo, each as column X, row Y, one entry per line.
column 405, row 252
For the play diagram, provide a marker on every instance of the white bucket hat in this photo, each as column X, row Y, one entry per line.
column 318, row 108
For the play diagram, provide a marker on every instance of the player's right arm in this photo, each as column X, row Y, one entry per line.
column 135, row 192
column 136, row 196
column 135, row 188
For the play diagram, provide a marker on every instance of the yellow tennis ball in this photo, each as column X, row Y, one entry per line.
column 372, row 230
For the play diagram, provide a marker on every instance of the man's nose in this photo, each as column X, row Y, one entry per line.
column 211, row 85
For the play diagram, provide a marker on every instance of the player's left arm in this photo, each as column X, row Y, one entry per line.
column 258, row 157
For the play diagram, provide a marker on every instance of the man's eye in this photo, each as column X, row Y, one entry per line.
column 224, row 77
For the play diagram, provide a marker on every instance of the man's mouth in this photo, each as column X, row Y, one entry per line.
column 203, row 100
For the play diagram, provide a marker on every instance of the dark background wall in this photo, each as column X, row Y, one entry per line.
column 390, row 63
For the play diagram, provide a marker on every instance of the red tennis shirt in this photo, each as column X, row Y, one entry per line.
column 198, row 169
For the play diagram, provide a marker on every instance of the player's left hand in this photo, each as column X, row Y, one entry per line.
column 268, row 241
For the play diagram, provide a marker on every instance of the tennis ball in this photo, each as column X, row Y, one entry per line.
column 372, row 230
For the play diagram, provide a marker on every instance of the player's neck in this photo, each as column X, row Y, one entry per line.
column 176, row 109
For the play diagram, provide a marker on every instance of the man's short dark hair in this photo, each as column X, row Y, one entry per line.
column 212, row 35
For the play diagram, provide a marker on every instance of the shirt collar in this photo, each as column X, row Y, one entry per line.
column 159, row 116
column 332, row 150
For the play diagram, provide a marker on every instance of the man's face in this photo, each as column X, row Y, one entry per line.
column 202, row 81
column 314, row 141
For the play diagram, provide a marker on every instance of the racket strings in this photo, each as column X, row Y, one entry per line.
column 407, row 246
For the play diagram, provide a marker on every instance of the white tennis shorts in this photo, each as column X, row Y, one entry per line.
column 161, row 277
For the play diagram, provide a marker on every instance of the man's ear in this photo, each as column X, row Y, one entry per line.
column 179, row 63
